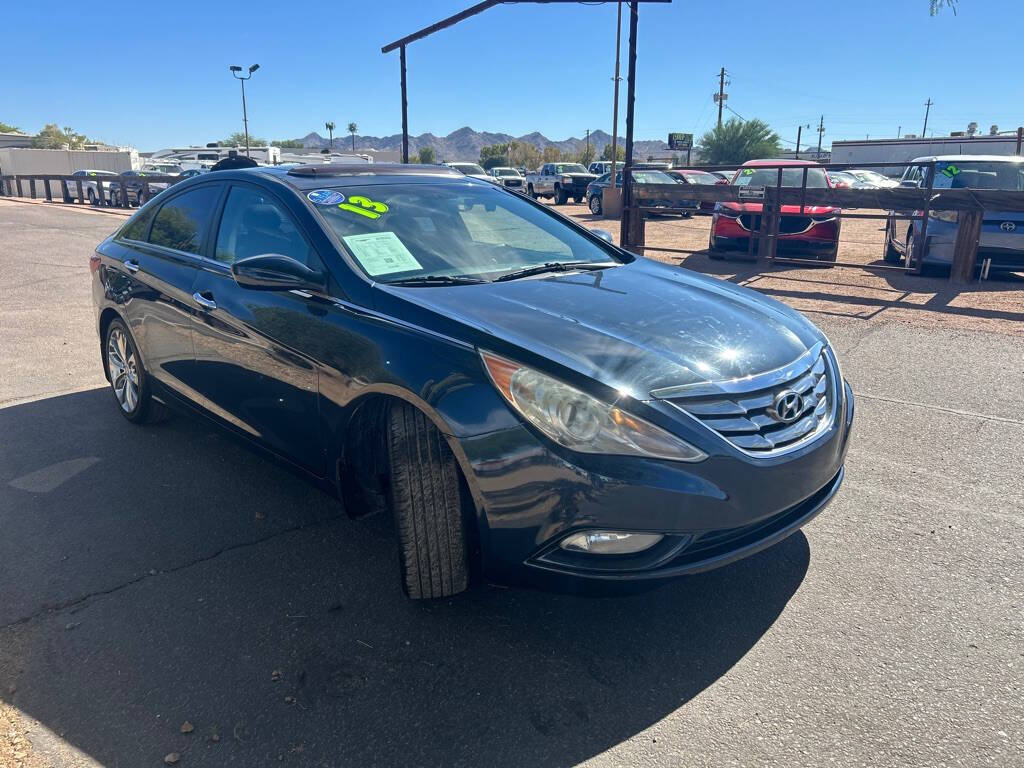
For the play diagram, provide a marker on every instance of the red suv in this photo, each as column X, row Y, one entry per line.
column 814, row 233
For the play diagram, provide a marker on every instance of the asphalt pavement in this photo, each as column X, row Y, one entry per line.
column 153, row 576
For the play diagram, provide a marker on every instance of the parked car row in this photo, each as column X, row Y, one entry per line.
column 96, row 189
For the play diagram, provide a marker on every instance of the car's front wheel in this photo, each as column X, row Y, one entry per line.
column 128, row 377
column 890, row 254
column 530, row 192
column 595, row 205
column 426, row 497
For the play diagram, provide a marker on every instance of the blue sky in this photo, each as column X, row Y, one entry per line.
column 156, row 74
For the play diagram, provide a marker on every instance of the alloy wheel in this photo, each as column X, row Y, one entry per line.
column 123, row 369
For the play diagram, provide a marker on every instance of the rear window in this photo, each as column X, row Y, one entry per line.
column 138, row 225
column 182, row 222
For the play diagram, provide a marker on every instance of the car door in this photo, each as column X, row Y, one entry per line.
column 155, row 280
column 250, row 370
column 912, row 177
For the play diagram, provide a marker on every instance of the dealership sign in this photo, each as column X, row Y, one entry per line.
column 680, row 140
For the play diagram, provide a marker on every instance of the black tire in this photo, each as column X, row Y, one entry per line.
column 595, row 205
column 425, row 496
column 889, row 252
column 560, row 197
column 530, row 192
column 577, row 200
column 91, row 196
column 145, row 409
column 714, row 253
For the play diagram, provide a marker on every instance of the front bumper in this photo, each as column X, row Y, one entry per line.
column 711, row 513
column 1004, row 248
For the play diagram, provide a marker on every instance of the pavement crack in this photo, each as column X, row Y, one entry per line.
column 955, row 411
column 54, row 608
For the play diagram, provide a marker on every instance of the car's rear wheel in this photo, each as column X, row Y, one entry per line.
column 908, row 256
column 595, row 205
column 530, row 192
column 714, row 252
column 91, row 195
column 889, row 253
column 128, row 378
column 425, row 494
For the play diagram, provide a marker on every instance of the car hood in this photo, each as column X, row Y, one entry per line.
column 637, row 327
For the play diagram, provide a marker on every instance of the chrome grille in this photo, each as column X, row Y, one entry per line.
column 744, row 411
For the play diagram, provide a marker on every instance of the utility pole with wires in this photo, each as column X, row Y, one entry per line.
column 927, row 109
column 615, row 98
column 799, row 130
column 588, row 145
column 821, row 132
column 721, row 96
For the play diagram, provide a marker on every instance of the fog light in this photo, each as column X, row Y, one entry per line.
column 610, row 542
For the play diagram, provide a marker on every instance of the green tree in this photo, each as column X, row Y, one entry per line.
column 620, row 154
column 352, row 128
column 937, row 5
column 7, row 127
column 552, row 155
column 586, row 155
column 54, row 137
column 427, row 156
column 286, row 143
column 736, row 141
column 514, row 153
column 237, row 139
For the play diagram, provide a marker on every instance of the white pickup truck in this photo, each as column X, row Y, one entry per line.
column 559, row 181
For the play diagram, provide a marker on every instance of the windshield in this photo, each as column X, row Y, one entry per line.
column 872, row 176
column 975, row 174
column 506, row 172
column 570, row 168
column 791, row 177
column 468, row 168
column 395, row 232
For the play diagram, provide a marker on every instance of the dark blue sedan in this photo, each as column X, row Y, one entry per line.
column 529, row 402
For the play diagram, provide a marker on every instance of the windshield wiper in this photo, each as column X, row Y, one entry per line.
column 555, row 266
column 438, row 280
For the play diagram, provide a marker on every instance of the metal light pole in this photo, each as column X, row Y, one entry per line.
column 245, row 117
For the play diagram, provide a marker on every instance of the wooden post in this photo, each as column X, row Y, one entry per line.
column 49, row 193
column 17, row 181
column 124, row 195
column 32, row 188
column 629, row 211
column 81, row 197
column 965, row 251
column 405, row 109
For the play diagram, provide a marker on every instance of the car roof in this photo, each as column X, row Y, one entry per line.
column 963, row 158
column 345, row 175
column 780, row 161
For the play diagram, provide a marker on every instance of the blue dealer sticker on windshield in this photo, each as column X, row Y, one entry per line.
column 325, row 197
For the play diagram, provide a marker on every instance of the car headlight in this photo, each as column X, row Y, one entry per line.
column 578, row 421
column 951, row 217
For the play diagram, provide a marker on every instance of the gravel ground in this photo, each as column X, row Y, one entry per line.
column 150, row 577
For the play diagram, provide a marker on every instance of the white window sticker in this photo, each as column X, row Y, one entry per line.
column 381, row 253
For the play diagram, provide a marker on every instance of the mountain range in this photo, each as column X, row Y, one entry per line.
column 465, row 143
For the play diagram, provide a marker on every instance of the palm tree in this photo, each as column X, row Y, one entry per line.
column 936, row 5
column 330, row 130
column 736, row 141
column 352, row 128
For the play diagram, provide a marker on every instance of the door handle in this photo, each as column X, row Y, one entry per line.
column 132, row 266
column 205, row 303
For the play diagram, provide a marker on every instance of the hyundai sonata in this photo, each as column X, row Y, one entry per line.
column 530, row 402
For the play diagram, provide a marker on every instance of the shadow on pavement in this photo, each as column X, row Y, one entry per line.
column 156, row 575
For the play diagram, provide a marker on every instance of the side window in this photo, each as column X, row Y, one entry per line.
column 182, row 222
column 137, row 226
column 254, row 224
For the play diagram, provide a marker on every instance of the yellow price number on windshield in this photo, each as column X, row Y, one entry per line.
column 364, row 206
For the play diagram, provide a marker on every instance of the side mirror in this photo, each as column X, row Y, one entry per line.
column 604, row 234
column 274, row 272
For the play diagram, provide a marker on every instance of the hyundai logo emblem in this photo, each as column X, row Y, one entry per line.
column 787, row 406
column 1008, row 226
